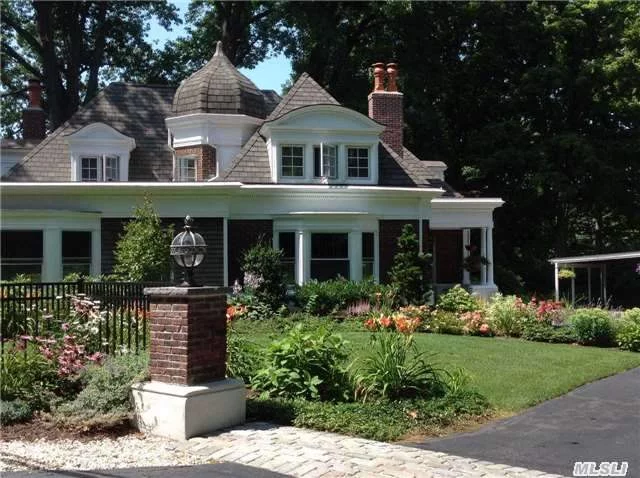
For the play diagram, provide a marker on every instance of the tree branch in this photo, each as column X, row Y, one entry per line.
column 24, row 34
column 9, row 50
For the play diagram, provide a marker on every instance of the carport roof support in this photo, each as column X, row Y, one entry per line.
column 586, row 261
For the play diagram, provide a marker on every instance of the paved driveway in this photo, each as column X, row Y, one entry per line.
column 596, row 422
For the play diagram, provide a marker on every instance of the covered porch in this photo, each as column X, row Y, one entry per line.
column 462, row 243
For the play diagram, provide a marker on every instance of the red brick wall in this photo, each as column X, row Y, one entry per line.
column 33, row 123
column 242, row 235
column 386, row 108
column 188, row 339
column 205, row 160
column 448, row 256
column 390, row 230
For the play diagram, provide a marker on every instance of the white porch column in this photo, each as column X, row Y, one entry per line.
column 52, row 255
column 96, row 253
column 483, row 253
column 604, row 285
column 589, row 283
column 556, row 281
column 573, row 287
column 355, row 255
column 489, row 255
column 466, row 240
column 225, row 251
column 300, row 261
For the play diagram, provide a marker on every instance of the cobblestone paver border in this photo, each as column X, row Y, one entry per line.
column 310, row 454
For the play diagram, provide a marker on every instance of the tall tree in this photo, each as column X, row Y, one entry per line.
column 72, row 46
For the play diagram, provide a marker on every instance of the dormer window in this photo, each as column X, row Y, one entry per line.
column 100, row 168
column 187, row 169
column 292, row 161
column 358, row 162
column 325, row 161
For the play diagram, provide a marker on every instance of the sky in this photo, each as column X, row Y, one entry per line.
column 271, row 74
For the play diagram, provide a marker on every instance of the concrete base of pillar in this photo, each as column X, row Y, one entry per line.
column 484, row 291
column 184, row 411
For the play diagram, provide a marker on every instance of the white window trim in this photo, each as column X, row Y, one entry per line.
column 323, row 175
column 305, row 167
column 178, row 171
column 346, row 161
column 101, row 160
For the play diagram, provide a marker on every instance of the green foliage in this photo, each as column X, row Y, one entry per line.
column 593, row 327
column 377, row 420
column 396, row 369
column 507, row 315
column 446, row 322
column 264, row 274
column 409, row 274
column 628, row 335
column 458, row 300
column 542, row 332
column 243, row 356
column 27, row 375
column 106, row 391
column 327, row 297
column 304, row 364
column 142, row 251
column 14, row 411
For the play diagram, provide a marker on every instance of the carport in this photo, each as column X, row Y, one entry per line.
column 593, row 263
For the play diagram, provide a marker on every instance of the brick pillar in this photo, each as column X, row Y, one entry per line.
column 188, row 334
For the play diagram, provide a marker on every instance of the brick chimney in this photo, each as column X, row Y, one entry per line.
column 33, row 118
column 385, row 105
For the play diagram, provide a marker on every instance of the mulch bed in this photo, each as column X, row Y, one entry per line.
column 41, row 428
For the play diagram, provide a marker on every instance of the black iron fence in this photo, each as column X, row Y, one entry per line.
column 120, row 311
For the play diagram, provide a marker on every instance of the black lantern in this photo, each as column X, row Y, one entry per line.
column 188, row 249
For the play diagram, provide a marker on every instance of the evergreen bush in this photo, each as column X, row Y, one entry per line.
column 409, row 274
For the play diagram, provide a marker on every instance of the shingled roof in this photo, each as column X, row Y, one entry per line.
column 137, row 111
column 218, row 87
column 304, row 92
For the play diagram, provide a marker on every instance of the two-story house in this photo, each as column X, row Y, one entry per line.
column 329, row 186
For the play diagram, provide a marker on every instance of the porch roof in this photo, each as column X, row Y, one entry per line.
column 596, row 258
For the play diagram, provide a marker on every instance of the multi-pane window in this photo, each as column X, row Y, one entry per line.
column 292, row 161
column 329, row 256
column 100, row 168
column 358, row 162
column 90, row 169
column 368, row 256
column 111, row 168
column 186, row 169
column 287, row 243
column 325, row 161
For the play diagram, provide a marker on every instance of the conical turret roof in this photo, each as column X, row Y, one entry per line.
column 218, row 87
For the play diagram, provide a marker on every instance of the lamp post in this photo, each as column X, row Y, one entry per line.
column 188, row 249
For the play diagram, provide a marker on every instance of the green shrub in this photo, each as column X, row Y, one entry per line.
column 445, row 322
column 593, row 327
column 628, row 335
column 14, row 411
column 507, row 315
column 106, row 394
column 327, row 297
column 542, row 332
column 396, row 369
column 142, row 251
column 305, row 364
column 264, row 274
column 409, row 274
column 458, row 300
column 27, row 375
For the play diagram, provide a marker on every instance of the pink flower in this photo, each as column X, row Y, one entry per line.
column 484, row 329
column 65, row 327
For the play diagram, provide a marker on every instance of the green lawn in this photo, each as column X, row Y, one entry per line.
column 513, row 374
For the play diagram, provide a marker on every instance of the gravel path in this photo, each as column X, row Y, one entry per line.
column 124, row 452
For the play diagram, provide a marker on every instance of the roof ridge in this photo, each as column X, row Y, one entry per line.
column 303, row 79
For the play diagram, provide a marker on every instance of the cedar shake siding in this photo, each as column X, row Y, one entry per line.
column 211, row 272
column 448, row 259
column 242, row 235
column 390, row 230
